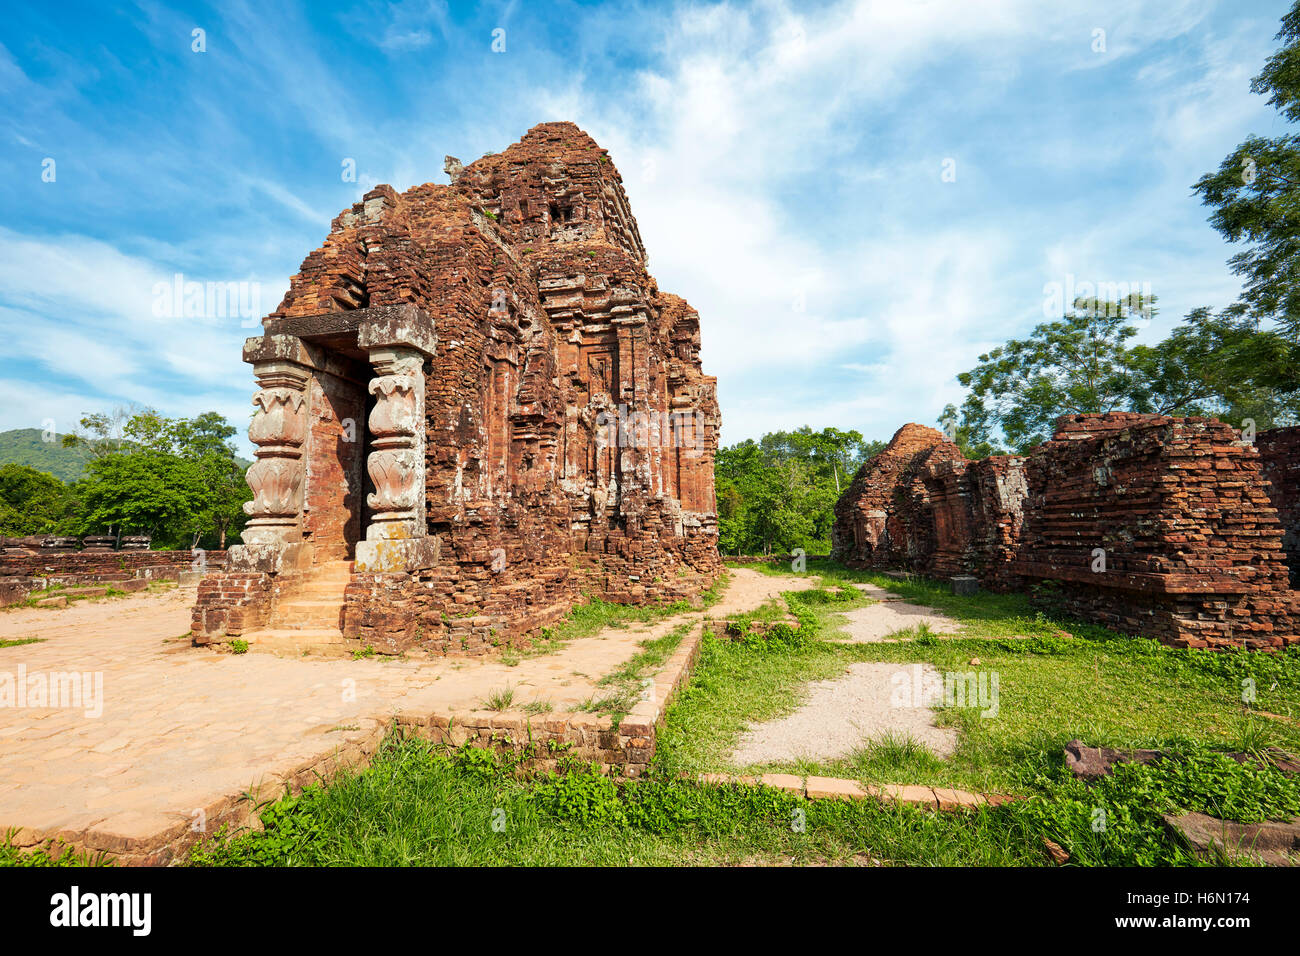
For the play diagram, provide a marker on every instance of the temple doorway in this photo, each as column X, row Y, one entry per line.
column 336, row 483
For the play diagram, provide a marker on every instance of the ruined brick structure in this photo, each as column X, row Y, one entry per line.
column 1152, row 525
column 26, row 570
column 884, row 519
column 978, row 514
column 476, row 394
column 1178, row 511
column 1279, row 451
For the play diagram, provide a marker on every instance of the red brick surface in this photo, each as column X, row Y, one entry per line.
column 1279, row 452
column 1165, row 527
column 531, row 270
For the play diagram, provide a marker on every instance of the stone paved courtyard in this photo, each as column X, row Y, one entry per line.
column 185, row 729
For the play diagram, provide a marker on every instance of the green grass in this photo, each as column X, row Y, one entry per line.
column 626, row 684
column 1091, row 683
column 500, row 700
column 45, row 855
column 18, row 642
column 419, row 805
column 594, row 615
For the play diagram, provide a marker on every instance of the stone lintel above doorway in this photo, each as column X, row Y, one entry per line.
column 357, row 331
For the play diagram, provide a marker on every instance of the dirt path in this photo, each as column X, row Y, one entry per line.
column 839, row 716
column 877, row 622
column 164, row 728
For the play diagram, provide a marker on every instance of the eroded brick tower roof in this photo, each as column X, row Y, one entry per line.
column 569, row 431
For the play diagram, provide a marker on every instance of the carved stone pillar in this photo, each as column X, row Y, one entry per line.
column 279, row 430
column 396, row 461
column 396, row 537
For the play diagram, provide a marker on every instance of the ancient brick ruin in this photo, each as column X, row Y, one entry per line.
column 1165, row 527
column 474, row 406
column 884, row 518
column 1279, row 451
column 1159, row 526
column 28, row 566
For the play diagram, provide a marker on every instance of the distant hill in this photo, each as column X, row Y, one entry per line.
column 23, row 446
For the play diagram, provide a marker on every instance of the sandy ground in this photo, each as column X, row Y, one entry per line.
column 165, row 610
column 876, row 622
column 172, row 727
column 841, row 715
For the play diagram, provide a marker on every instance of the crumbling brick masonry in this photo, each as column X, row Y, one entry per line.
column 1165, row 527
column 1158, row 526
column 1279, row 451
column 478, row 395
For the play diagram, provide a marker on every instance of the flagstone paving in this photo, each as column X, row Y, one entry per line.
column 183, row 729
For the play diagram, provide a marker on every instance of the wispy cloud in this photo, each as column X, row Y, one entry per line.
column 859, row 197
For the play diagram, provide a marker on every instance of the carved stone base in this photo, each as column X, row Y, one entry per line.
column 269, row 558
column 394, row 555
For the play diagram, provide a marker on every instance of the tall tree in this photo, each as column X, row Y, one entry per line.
column 779, row 493
column 1255, row 197
column 1077, row 364
column 33, row 502
column 176, row 479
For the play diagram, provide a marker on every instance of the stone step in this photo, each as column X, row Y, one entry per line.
column 317, row 601
column 323, row 587
column 299, row 621
column 335, row 588
column 313, row 642
column 307, row 635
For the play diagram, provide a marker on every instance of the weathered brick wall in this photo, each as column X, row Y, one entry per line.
column 1279, row 452
column 1166, row 527
column 335, row 469
column 1158, row 526
column 71, row 564
column 885, row 518
column 231, row 603
column 978, row 514
column 23, row 572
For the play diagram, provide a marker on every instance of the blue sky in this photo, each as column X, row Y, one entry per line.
column 785, row 162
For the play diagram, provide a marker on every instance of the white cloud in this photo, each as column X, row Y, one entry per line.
column 748, row 109
column 78, row 316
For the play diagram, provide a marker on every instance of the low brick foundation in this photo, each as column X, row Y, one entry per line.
column 626, row 749
column 24, row 572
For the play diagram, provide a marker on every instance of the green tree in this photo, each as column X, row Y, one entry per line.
column 962, row 435
column 32, row 502
column 779, row 493
column 1255, row 195
column 1077, row 364
column 174, row 479
column 205, row 440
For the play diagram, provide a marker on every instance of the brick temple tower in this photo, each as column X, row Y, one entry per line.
column 474, row 405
